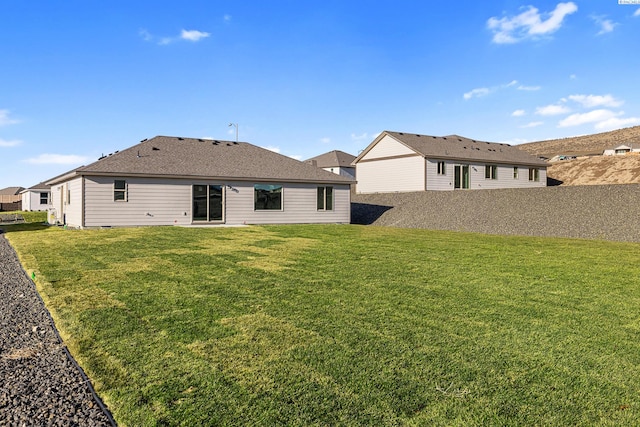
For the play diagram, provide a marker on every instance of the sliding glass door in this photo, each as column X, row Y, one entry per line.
column 208, row 203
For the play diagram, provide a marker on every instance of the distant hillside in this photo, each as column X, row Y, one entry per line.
column 584, row 145
column 591, row 168
column 597, row 170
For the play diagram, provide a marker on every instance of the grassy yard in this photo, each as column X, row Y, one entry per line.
column 345, row 325
column 29, row 216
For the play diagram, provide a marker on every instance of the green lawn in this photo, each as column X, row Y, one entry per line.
column 345, row 325
column 29, row 216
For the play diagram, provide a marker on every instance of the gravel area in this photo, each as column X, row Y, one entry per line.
column 604, row 212
column 40, row 385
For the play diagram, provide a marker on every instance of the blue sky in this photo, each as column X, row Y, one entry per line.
column 84, row 78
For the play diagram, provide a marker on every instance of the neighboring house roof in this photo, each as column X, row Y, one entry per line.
column 620, row 147
column 165, row 156
column 335, row 158
column 11, row 191
column 460, row 148
column 38, row 187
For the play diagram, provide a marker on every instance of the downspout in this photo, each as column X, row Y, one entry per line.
column 426, row 172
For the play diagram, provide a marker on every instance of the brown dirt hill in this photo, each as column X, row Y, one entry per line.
column 591, row 168
column 597, row 170
column 584, row 145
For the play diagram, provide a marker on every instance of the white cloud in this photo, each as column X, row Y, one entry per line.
column 146, row 35
column 478, row 92
column 594, row 116
column 193, row 35
column 189, row 35
column 296, row 156
column 512, row 83
column 637, row 12
column 529, row 23
column 573, row 77
column 532, row 125
column 606, row 25
column 227, row 18
column 325, row 140
column 552, row 110
column 5, row 120
column 515, row 141
column 590, row 101
column 355, row 137
column 13, row 143
column 617, row 123
column 272, row 148
column 57, row 159
column 518, row 113
column 529, row 88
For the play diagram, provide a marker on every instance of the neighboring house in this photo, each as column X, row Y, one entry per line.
column 11, row 194
column 620, row 150
column 10, row 199
column 335, row 161
column 402, row 162
column 188, row 181
column 36, row 198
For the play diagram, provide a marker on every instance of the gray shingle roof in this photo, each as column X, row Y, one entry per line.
column 39, row 186
column 464, row 149
column 335, row 158
column 11, row 191
column 164, row 156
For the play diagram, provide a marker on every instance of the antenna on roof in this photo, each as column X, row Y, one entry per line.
column 236, row 126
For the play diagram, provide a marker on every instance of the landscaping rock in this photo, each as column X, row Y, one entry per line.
column 39, row 382
column 604, row 212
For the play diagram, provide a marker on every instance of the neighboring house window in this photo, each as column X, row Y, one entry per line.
column 267, row 197
column 491, row 172
column 534, row 174
column 120, row 190
column 515, row 172
column 325, row 198
column 441, row 168
column 44, row 198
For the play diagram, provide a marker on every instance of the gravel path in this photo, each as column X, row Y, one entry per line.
column 605, row 212
column 39, row 384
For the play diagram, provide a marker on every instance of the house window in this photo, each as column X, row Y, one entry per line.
column 534, row 174
column 267, row 197
column 441, row 168
column 325, row 198
column 120, row 190
column 491, row 172
column 44, row 198
column 515, row 172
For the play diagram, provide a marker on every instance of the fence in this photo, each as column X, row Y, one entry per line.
column 7, row 207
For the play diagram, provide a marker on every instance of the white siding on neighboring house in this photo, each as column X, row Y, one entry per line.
column 31, row 200
column 151, row 201
column 391, row 175
column 348, row 172
column 66, row 203
column 388, row 147
column 436, row 181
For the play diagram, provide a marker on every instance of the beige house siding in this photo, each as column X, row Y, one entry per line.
column 153, row 201
column 387, row 147
column 477, row 180
column 391, row 175
column 149, row 202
